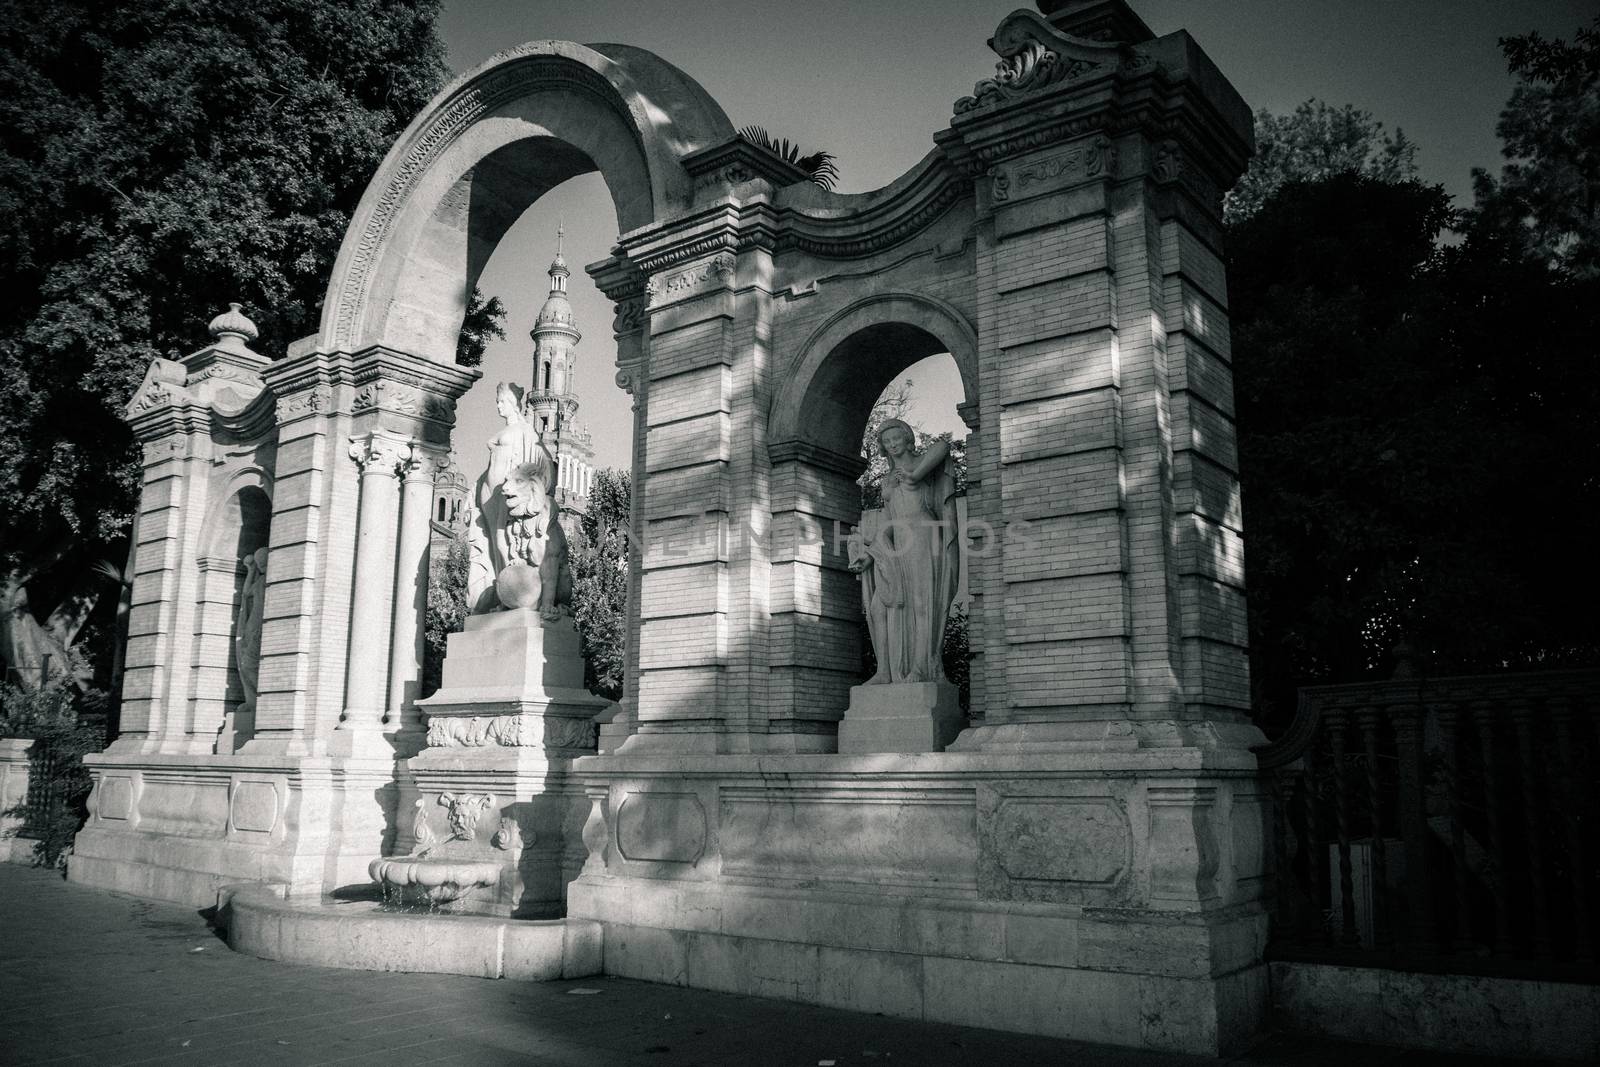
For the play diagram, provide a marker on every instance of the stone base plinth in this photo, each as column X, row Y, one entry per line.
column 512, row 661
column 178, row 827
column 901, row 717
column 508, row 721
column 14, row 767
column 1107, row 897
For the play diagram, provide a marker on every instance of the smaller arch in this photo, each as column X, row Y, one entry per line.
column 241, row 519
column 847, row 362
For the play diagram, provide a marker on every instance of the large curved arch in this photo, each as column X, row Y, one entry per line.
column 489, row 145
column 847, row 361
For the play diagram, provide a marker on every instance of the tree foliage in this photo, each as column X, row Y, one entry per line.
column 1317, row 141
column 600, row 581
column 1413, row 438
column 447, row 606
column 156, row 160
column 1548, row 192
column 485, row 318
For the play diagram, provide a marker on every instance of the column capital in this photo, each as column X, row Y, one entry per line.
column 379, row 453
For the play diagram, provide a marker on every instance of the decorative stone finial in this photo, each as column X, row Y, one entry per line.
column 232, row 329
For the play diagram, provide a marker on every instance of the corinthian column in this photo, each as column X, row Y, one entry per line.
column 419, row 469
column 366, row 673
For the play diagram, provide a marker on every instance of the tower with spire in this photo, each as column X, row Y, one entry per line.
column 552, row 403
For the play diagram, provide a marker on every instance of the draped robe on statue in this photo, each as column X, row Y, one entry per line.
column 913, row 578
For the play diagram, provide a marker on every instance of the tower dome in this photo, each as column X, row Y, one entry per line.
column 552, row 403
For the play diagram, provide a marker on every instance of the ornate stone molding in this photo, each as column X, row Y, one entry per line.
column 1096, row 158
column 528, row 70
column 378, row 454
column 511, row 731
column 306, row 402
column 673, row 287
column 1035, row 56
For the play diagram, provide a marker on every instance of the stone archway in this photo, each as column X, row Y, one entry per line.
column 817, row 419
column 481, row 154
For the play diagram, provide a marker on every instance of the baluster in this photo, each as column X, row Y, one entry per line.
column 1458, row 838
column 1522, row 719
column 1335, row 718
column 1382, row 923
column 1407, row 720
column 1572, row 822
column 1316, row 880
column 1483, row 717
column 1280, row 877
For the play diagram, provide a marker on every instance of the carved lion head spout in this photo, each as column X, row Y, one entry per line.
column 526, row 490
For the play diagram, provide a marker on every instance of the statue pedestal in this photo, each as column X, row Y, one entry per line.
column 901, row 717
column 508, row 721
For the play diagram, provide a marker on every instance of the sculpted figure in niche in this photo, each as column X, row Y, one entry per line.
column 519, row 552
column 908, row 557
column 247, row 624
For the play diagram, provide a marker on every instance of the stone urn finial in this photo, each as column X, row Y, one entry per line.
column 232, row 329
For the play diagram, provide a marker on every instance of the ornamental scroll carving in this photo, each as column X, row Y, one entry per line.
column 1083, row 162
column 630, row 315
column 685, row 282
column 309, row 402
column 510, row 731
column 1033, row 58
column 476, row 731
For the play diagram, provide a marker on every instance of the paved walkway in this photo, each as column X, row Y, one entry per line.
column 95, row 978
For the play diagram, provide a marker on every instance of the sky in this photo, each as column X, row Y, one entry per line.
column 871, row 81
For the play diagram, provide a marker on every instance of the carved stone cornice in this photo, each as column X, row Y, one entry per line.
column 210, row 393
column 1164, row 89
column 835, row 226
column 736, row 161
column 376, row 379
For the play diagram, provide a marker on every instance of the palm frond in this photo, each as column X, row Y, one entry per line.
column 819, row 167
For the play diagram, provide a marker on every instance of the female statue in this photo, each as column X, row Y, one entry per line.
column 247, row 624
column 518, row 443
column 907, row 556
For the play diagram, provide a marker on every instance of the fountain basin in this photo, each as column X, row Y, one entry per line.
column 360, row 935
column 437, row 882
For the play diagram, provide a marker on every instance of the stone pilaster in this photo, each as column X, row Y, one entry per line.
column 1086, row 638
column 326, row 402
column 704, row 598
column 419, row 469
column 373, row 590
column 622, row 282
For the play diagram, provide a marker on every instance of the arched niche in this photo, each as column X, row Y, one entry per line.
column 846, row 363
column 481, row 154
column 229, row 610
column 817, row 419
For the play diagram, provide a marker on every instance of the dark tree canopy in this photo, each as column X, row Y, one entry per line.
column 157, row 160
column 485, row 318
column 1316, row 141
column 1548, row 192
column 1414, row 438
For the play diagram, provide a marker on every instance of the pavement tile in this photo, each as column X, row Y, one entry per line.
column 95, row 978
